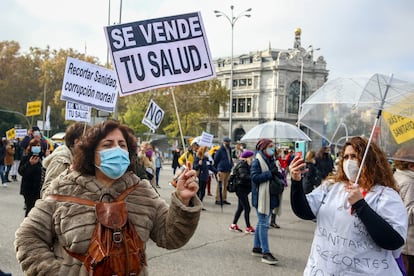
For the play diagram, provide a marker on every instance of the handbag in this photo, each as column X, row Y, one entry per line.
column 231, row 185
column 276, row 186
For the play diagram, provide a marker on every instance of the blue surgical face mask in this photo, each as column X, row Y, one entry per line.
column 35, row 150
column 114, row 162
column 270, row 151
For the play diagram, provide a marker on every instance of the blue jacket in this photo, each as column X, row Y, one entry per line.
column 222, row 161
column 204, row 168
column 258, row 177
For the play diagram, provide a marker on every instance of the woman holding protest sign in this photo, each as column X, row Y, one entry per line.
column 361, row 227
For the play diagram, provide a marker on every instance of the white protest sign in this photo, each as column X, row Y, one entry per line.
column 77, row 112
column 20, row 132
column 160, row 52
column 153, row 116
column 206, row 139
column 89, row 84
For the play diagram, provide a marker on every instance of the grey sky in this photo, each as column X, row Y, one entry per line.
column 357, row 38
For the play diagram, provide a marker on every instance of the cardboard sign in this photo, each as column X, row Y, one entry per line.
column 77, row 112
column 20, row 132
column 34, row 108
column 402, row 128
column 160, row 52
column 153, row 116
column 89, row 84
column 206, row 139
column 10, row 134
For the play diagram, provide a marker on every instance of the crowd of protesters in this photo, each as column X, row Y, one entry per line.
column 261, row 175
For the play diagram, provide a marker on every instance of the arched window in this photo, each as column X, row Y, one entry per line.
column 293, row 96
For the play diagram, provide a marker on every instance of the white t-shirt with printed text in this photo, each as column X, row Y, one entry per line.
column 341, row 244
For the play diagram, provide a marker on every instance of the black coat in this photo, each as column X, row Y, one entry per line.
column 311, row 179
column 325, row 165
column 243, row 173
column 31, row 176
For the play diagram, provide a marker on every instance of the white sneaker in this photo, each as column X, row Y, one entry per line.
column 4, row 185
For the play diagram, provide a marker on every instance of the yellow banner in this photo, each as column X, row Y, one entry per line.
column 10, row 134
column 34, row 108
column 402, row 128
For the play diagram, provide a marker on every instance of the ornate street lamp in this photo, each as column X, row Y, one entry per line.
column 232, row 20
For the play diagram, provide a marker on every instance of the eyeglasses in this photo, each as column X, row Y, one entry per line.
column 349, row 156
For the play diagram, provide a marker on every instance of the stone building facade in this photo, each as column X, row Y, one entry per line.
column 266, row 86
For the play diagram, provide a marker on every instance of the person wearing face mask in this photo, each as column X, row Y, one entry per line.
column 223, row 161
column 263, row 169
column 34, row 133
column 404, row 175
column 203, row 166
column 101, row 166
column 360, row 227
column 243, row 188
column 30, row 169
column 146, row 160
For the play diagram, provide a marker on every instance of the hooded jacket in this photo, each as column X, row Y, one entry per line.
column 56, row 163
column 52, row 226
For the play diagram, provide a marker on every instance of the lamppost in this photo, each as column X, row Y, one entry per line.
column 232, row 20
column 120, row 17
column 310, row 50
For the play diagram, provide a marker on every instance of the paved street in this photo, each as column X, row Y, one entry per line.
column 213, row 250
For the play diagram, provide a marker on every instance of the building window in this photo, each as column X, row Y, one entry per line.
column 249, row 82
column 249, row 105
column 235, row 83
column 294, row 95
column 242, row 105
column 234, row 106
column 242, row 82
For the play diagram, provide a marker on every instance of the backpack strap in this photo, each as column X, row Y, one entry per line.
column 74, row 199
column 125, row 193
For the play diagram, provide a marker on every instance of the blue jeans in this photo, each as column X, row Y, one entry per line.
column 261, row 233
column 157, row 175
column 3, row 177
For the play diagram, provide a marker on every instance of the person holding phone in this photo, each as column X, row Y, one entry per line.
column 360, row 227
column 30, row 169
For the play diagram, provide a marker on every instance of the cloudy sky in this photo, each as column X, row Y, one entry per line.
column 356, row 37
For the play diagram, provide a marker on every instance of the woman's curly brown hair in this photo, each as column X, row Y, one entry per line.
column 375, row 171
column 84, row 154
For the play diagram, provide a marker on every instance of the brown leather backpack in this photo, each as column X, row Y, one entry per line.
column 115, row 247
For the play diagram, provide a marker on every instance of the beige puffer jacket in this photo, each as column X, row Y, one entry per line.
column 405, row 182
column 56, row 163
column 51, row 226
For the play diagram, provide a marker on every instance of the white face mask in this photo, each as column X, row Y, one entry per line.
column 351, row 169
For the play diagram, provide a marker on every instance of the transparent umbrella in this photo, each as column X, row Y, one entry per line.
column 380, row 107
column 275, row 130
